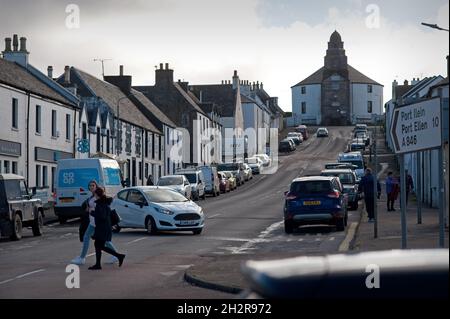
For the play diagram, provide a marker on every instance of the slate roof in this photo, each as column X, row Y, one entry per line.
column 14, row 75
column 111, row 94
column 221, row 94
column 354, row 75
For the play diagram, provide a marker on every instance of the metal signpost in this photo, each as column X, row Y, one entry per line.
column 417, row 127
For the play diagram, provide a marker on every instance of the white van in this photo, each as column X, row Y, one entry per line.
column 356, row 159
column 72, row 179
column 212, row 183
column 197, row 180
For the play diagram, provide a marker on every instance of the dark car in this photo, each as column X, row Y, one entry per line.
column 304, row 130
column 322, row 132
column 315, row 200
column 357, row 145
column 285, row 146
column 18, row 208
column 347, row 177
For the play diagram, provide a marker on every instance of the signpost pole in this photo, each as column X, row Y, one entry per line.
column 419, row 187
column 441, row 201
column 375, row 182
column 403, row 202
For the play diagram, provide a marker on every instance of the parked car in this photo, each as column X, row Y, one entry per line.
column 285, row 146
column 354, row 158
column 360, row 127
column 294, row 147
column 72, row 179
column 156, row 208
column 340, row 165
column 315, row 200
column 322, row 132
column 363, row 137
column 265, row 159
column 236, row 168
column 212, row 186
column 347, row 177
column 178, row 183
column 255, row 164
column 357, row 145
column 304, row 130
column 224, row 182
column 295, row 138
column 197, row 181
column 247, row 172
column 231, row 178
column 18, row 208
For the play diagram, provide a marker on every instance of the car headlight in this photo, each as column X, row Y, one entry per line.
column 164, row 211
column 201, row 211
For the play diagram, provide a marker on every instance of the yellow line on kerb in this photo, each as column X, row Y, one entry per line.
column 345, row 245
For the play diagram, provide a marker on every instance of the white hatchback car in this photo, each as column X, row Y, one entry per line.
column 178, row 183
column 156, row 209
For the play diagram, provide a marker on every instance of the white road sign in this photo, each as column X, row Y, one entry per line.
column 417, row 126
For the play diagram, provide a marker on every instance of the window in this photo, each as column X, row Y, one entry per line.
column 108, row 146
column 68, row 127
column 160, row 147
column 14, row 168
column 38, row 119
column 53, row 178
column 369, row 106
column 153, row 145
column 140, row 170
column 167, row 137
column 303, row 89
column 146, row 144
column 136, row 197
column 303, row 107
column 159, row 171
column 44, row 176
column 38, row 175
column 369, row 89
column 123, row 195
column 84, row 131
column 6, row 167
column 15, row 113
column 168, row 166
column 146, row 170
column 54, row 133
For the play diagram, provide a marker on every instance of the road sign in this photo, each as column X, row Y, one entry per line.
column 417, row 126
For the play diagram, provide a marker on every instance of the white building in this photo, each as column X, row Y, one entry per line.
column 39, row 119
column 336, row 94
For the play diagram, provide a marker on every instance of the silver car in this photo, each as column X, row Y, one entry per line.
column 178, row 183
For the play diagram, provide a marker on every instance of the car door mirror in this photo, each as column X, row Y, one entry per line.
column 286, row 192
column 142, row 204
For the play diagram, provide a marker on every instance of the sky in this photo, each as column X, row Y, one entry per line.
column 276, row 42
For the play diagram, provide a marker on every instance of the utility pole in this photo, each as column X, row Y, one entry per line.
column 103, row 64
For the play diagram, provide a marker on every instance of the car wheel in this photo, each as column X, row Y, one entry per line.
column 38, row 225
column 340, row 224
column 197, row 231
column 150, row 226
column 116, row 229
column 288, row 227
column 16, row 227
column 204, row 196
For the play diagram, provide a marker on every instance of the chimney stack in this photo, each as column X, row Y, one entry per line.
column 50, row 72
column 121, row 70
column 15, row 43
column 235, row 80
column 164, row 77
column 23, row 45
column 67, row 74
column 7, row 45
column 394, row 86
column 405, row 83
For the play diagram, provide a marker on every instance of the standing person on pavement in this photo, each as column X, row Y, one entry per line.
column 103, row 232
column 87, row 227
column 391, row 191
column 366, row 187
column 150, row 180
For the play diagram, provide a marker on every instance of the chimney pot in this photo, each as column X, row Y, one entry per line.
column 167, row 66
column 67, row 74
column 160, row 66
column 7, row 44
column 406, row 82
column 23, row 44
column 15, row 42
column 50, row 72
column 121, row 70
column 235, row 73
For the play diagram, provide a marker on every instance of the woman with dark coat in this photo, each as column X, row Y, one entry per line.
column 103, row 232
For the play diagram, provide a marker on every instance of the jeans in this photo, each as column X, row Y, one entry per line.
column 370, row 207
column 87, row 239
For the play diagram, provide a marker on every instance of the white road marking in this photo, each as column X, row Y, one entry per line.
column 90, row 255
column 136, row 240
column 183, row 267
column 261, row 238
column 210, row 217
column 227, row 238
column 22, row 276
column 169, row 273
column 332, row 238
column 301, row 239
column 318, row 239
column 345, row 245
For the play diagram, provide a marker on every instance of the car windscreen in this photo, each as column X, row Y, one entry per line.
column 112, row 176
column 166, row 181
column 192, row 178
column 285, row 143
column 306, row 188
column 228, row 167
column 345, row 178
column 359, row 164
column 252, row 161
column 164, row 196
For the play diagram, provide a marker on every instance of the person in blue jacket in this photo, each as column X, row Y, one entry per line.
column 366, row 186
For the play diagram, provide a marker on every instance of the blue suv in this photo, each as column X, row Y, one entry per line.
column 315, row 200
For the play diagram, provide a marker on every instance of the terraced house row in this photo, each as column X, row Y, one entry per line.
column 149, row 130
